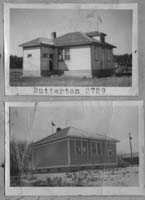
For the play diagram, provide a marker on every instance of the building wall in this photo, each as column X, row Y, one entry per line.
column 79, row 63
column 100, row 58
column 31, row 61
column 89, row 157
column 50, row 154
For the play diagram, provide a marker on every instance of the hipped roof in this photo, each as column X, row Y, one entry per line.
column 74, row 132
column 69, row 39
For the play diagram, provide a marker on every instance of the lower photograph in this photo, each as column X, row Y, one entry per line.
column 60, row 148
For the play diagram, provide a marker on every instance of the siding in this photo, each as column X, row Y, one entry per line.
column 31, row 65
column 102, row 62
column 77, row 159
column 79, row 63
column 51, row 154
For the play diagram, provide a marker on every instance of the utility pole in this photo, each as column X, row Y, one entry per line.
column 130, row 138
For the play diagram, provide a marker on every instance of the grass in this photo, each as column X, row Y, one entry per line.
column 122, row 177
column 16, row 79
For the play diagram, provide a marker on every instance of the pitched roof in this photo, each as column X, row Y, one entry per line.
column 95, row 33
column 72, row 38
column 68, row 39
column 74, row 132
column 37, row 41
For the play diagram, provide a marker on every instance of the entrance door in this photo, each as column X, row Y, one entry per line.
column 103, row 58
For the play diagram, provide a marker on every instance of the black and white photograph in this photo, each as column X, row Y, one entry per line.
column 74, row 148
column 71, row 49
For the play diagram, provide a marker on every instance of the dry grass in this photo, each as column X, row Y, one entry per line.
column 16, row 79
column 122, row 177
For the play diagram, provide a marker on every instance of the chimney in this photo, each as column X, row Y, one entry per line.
column 58, row 129
column 102, row 37
column 53, row 35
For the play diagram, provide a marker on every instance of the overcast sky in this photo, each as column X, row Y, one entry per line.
column 28, row 24
column 33, row 124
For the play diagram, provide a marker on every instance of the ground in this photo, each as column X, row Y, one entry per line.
column 122, row 177
column 16, row 79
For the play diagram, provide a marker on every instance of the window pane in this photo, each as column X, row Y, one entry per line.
column 110, row 154
column 99, row 148
column 84, row 147
column 29, row 55
column 45, row 55
column 108, row 54
column 89, row 148
column 97, row 53
column 78, row 147
column 93, row 148
column 60, row 54
column 67, row 54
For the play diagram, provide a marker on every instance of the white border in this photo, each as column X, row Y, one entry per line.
column 99, row 91
column 75, row 191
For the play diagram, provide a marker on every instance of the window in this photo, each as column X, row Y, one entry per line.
column 67, row 54
column 89, row 148
column 29, row 55
column 78, row 147
column 45, row 55
column 110, row 154
column 109, row 145
column 93, row 148
column 64, row 54
column 99, row 148
column 103, row 147
column 97, row 53
column 109, row 54
column 84, row 147
column 60, row 55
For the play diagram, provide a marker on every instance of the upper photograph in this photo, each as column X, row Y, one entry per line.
column 71, row 49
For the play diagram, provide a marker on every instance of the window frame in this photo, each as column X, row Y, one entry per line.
column 97, row 53
column 93, row 151
column 84, row 152
column 109, row 55
column 76, row 147
column 64, row 53
column 99, row 148
column 46, row 55
column 29, row 55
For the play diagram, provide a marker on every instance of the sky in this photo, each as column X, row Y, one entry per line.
column 32, row 124
column 28, row 24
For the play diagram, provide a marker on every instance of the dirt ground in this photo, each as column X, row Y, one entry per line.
column 122, row 177
column 16, row 79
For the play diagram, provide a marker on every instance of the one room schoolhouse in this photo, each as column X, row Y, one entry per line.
column 71, row 147
column 72, row 54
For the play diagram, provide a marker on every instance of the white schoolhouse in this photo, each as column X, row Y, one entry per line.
column 72, row 54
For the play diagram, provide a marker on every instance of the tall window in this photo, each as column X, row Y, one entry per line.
column 97, row 53
column 109, row 54
column 89, row 148
column 84, row 147
column 60, row 54
column 99, row 148
column 110, row 154
column 67, row 54
column 78, row 147
column 93, row 148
